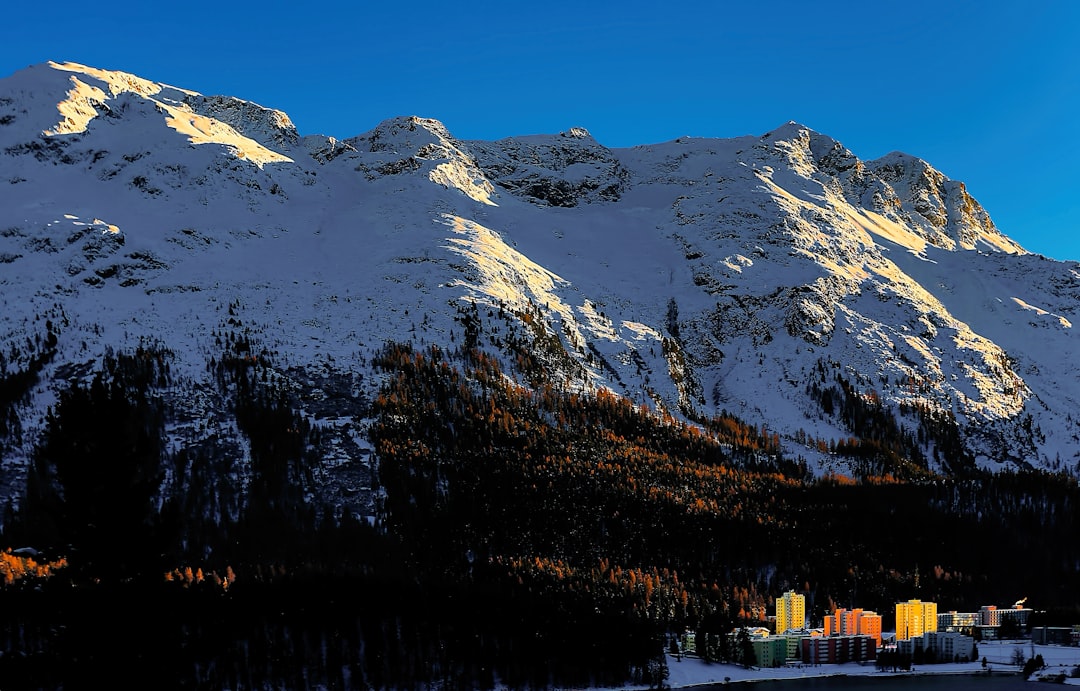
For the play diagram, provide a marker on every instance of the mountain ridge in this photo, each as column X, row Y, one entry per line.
column 693, row 276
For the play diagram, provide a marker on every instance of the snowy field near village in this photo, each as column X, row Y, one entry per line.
column 692, row 671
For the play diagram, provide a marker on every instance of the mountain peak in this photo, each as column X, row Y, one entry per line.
column 118, row 82
column 404, row 132
column 807, row 150
column 789, row 130
column 411, row 143
column 900, row 160
column 576, row 133
column 944, row 204
column 68, row 98
column 246, row 117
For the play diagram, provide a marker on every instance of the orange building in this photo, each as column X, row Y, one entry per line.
column 855, row 622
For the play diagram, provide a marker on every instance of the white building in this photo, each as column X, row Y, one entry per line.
column 946, row 646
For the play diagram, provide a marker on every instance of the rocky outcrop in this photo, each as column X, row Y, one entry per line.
column 561, row 170
column 411, row 144
column 951, row 217
column 271, row 128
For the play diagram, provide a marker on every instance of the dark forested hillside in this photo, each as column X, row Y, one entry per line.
column 477, row 468
column 524, row 536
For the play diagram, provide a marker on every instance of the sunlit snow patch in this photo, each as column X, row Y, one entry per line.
column 454, row 174
column 598, row 324
column 601, row 327
column 508, row 277
column 641, row 332
column 81, row 106
column 876, row 224
column 203, row 130
column 1041, row 312
column 105, row 227
column 737, row 263
column 505, row 275
column 77, row 110
column 96, row 224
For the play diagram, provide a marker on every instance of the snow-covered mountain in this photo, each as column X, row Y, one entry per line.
column 694, row 276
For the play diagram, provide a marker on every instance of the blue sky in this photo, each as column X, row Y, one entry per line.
column 987, row 92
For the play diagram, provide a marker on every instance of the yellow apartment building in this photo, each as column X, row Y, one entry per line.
column 914, row 618
column 790, row 612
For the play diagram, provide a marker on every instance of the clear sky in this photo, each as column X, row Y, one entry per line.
column 986, row 91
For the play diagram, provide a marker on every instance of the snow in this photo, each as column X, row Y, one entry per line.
column 1041, row 312
column 688, row 672
column 505, row 274
column 118, row 82
column 203, row 130
column 82, row 101
column 888, row 229
column 779, row 252
column 451, row 175
column 76, row 110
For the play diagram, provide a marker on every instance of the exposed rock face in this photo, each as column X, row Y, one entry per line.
column 563, row 170
column 324, row 149
column 952, row 215
column 272, row 128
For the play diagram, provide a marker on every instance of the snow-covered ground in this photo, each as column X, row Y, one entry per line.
column 692, row 671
